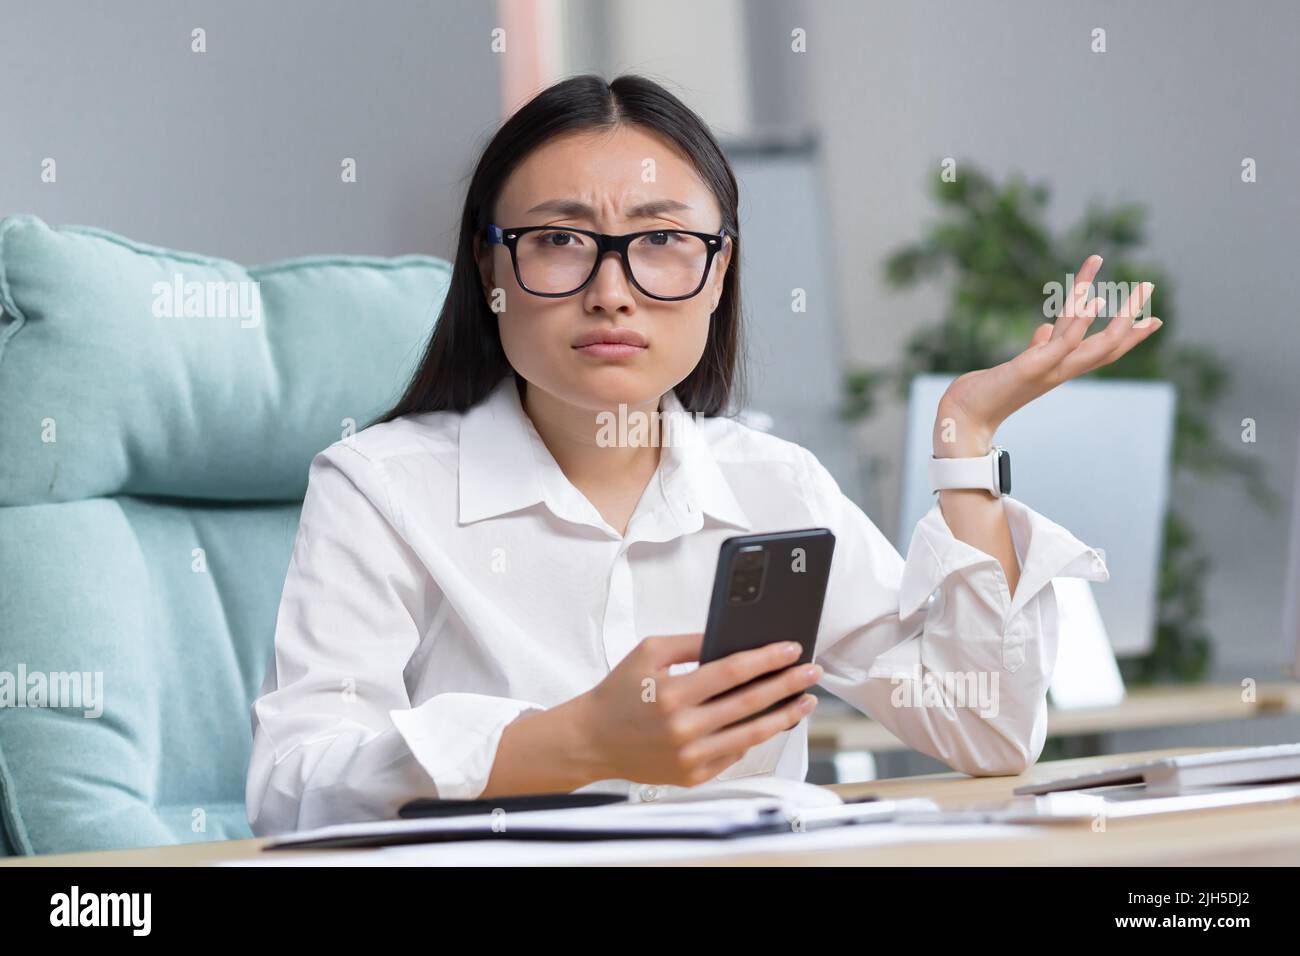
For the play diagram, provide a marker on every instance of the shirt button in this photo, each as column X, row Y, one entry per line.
column 649, row 793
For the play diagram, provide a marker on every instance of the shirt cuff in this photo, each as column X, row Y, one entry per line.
column 454, row 737
column 1044, row 549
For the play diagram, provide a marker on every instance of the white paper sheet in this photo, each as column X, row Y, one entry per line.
column 507, row 852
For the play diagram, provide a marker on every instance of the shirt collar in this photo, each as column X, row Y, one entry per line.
column 691, row 474
column 504, row 466
column 496, row 471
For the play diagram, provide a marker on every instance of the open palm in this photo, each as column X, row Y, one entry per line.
column 1057, row 352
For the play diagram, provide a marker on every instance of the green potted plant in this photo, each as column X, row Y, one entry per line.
column 993, row 247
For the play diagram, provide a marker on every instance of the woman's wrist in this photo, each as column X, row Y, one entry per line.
column 957, row 436
column 580, row 741
column 549, row 751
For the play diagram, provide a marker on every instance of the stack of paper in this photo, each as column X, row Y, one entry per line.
column 702, row 819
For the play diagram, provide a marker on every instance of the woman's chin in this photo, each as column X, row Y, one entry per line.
column 611, row 387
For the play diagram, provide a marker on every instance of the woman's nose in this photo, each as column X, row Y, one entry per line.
column 611, row 289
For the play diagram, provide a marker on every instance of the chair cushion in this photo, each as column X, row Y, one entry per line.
column 155, row 374
column 143, row 549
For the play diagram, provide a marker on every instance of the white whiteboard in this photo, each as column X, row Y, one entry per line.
column 794, row 358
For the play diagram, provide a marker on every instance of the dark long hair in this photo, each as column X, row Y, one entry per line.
column 464, row 359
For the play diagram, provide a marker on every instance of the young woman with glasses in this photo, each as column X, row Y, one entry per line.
column 492, row 592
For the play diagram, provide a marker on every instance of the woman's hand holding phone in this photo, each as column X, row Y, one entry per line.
column 649, row 726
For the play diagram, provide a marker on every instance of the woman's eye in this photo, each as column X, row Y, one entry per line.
column 660, row 238
column 559, row 239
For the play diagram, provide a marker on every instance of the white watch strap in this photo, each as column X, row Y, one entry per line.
column 979, row 472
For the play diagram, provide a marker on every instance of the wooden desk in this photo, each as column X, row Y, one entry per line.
column 1142, row 708
column 1268, row 835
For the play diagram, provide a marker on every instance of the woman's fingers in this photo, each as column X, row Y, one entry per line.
column 1118, row 337
column 740, row 737
column 744, row 702
column 1076, row 299
column 1123, row 320
column 1079, row 328
column 717, row 677
column 1040, row 362
column 661, row 651
column 1139, row 332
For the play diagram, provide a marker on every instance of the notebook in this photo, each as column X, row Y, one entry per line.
column 719, row 819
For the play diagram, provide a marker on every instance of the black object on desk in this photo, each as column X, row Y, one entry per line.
column 429, row 807
column 771, row 819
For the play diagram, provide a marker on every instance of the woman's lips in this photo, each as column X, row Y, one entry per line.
column 611, row 349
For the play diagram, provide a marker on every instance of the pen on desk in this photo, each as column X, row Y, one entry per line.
column 872, row 811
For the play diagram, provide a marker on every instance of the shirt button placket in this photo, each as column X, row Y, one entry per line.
column 619, row 630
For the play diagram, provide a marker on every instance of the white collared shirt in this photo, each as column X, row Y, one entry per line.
column 447, row 576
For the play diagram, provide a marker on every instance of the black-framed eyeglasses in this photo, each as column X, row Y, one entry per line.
column 555, row 261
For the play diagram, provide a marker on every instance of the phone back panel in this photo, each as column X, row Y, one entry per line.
column 788, row 605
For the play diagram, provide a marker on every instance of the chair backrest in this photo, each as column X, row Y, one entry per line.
column 158, row 413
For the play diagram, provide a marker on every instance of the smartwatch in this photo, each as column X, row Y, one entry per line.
column 991, row 472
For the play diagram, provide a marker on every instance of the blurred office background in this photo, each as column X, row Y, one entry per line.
column 837, row 115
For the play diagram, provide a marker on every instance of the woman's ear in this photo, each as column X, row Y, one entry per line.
column 720, row 263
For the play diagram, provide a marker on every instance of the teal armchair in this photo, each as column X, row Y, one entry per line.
column 158, row 413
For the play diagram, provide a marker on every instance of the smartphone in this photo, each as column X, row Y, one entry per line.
column 768, row 588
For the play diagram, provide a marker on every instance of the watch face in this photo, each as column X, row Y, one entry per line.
column 1004, row 472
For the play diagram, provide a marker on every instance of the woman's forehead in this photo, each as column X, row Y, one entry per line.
column 610, row 172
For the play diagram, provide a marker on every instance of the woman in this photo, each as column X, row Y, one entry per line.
column 489, row 596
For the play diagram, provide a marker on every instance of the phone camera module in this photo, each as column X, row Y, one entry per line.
column 747, row 575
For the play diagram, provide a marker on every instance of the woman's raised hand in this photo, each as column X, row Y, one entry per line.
column 979, row 401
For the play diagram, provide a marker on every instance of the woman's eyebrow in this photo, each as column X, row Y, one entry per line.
column 574, row 207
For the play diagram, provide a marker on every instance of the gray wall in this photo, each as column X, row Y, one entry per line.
column 236, row 152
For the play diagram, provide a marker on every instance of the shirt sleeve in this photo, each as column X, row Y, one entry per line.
column 934, row 647
column 335, row 738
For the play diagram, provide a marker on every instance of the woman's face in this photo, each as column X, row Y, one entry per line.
column 612, row 173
